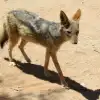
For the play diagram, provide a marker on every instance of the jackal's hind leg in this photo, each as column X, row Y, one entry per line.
column 12, row 43
column 21, row 47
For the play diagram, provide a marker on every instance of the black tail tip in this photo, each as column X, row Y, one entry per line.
column 2, row 45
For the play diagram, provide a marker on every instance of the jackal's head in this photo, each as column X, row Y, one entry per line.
column 70, row 28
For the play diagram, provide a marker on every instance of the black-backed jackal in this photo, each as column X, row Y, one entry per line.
column 31, row 28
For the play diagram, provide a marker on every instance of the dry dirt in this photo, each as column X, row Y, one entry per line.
column 80, row 63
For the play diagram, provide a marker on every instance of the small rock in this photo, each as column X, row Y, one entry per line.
column 82, row 84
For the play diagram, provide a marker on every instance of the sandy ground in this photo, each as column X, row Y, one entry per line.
column 80, row 63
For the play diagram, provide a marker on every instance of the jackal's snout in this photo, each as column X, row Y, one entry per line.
column 74, row 39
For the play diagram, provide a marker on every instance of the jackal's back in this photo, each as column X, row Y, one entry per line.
column 39, row 29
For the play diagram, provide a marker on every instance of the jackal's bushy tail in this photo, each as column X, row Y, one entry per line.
column 3, row 36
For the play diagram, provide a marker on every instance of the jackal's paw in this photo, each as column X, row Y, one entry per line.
column 12, row 64
column 64, row 84
column 28, row 60
column 47, row 73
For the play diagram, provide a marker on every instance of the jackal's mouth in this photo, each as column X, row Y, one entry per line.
column 68, row 35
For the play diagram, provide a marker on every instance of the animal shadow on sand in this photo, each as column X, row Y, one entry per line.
column 38, row 71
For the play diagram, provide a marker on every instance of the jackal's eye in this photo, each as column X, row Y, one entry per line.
column 69, row 32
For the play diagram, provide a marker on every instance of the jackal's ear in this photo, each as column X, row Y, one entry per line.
column 77, row 15
column 64, row 19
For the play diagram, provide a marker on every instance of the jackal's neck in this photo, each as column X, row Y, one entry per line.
column 54, row 29
column 58, row 37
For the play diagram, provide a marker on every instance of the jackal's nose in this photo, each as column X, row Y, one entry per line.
column 75, row 42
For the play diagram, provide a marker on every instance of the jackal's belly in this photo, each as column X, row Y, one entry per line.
column 40, row 40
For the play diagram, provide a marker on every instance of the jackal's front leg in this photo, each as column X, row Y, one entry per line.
column 47, row 58
column 62, row 79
